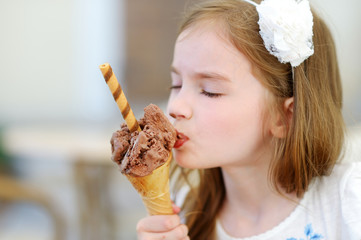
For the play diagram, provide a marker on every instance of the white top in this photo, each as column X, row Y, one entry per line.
column 329, row 210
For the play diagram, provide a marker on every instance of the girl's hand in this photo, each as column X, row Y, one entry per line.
column 162, row 227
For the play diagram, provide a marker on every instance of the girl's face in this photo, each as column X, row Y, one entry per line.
column 216, row 104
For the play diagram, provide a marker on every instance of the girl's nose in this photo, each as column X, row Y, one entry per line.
column 179, row 107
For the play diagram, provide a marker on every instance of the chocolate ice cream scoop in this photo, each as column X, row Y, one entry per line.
column 139, row 153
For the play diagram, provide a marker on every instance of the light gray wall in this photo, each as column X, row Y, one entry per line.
column 49, row 57
column 344, row 20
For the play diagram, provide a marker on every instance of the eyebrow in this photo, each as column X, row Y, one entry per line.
column 205, row 75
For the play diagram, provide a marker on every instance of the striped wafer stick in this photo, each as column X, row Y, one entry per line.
column 119, row 97
column 153, row 188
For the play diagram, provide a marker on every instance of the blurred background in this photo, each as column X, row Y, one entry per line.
column 57, row 115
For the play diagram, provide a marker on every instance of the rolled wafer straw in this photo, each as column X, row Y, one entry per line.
column 119, row 97
column 153, row 188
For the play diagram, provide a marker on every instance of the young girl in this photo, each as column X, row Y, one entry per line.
column 256, row 99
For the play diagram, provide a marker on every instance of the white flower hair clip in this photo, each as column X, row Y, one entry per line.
column 286, row 29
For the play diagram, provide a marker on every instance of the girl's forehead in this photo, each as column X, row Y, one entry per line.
column 205, row 27
column 207, row 36
column 211, row 37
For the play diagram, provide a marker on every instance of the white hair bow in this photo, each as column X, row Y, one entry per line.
column 286, row 29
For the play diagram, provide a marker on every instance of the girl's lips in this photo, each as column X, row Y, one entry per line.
column 181, row 139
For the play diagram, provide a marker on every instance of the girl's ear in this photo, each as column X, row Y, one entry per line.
column 280, row 127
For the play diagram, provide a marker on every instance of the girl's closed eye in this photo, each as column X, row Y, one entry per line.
column 211, row 94
column 174, row 87
column 213, row 88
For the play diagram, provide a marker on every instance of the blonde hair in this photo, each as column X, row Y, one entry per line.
column 315, row 136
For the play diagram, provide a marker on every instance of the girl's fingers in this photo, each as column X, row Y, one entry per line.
column 178, row 233
column 176, row 209
column 158, row 223
column 162, row 227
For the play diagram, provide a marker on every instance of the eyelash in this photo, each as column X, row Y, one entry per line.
column 175, row 87
column 208, row 94
column 211, row 95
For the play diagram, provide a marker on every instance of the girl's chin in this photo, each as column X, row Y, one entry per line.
column 183, row 162
column 187, row 162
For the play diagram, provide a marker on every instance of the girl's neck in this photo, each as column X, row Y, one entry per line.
column 252, row 206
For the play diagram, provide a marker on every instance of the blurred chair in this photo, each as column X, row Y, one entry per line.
column 12, row 190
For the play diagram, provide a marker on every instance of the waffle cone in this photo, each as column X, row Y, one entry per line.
column 154, row 190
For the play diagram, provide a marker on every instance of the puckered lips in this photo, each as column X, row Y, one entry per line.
column 181, row 139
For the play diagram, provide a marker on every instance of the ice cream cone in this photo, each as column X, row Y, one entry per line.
column 154, row 189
